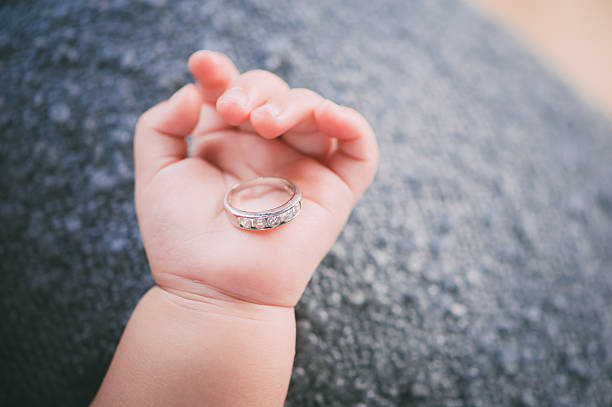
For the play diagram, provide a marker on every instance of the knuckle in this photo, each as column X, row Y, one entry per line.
column 146, row 120
column 263, row 75
column 259, row 73
column 143, row 121
column 304, row 92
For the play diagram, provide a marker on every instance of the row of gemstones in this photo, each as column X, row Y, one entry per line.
column 270, row 221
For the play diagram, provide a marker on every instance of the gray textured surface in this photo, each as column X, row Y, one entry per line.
column 476, row 271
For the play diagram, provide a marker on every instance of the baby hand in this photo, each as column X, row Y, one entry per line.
column 244, row 126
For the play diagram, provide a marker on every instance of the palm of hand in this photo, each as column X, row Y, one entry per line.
column 188, row 238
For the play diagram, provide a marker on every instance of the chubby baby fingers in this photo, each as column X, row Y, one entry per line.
column 356, row 157
column 283, row 112
column 247, row 92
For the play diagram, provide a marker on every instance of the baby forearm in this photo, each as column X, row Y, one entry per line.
column 185, row 351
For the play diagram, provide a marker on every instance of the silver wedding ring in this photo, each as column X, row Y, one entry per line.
column 269, row 218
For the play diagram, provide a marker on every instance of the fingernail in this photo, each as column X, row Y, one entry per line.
column 235, row 95
column 271, row 109
column 333, row 106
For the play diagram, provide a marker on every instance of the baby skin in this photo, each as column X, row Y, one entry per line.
column 218, row 328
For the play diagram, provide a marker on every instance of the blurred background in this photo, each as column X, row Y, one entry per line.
column 476, row 271
column 571, row 38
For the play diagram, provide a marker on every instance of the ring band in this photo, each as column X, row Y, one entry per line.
column 270, row 218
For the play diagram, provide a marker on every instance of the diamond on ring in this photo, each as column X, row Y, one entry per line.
column 269, row 218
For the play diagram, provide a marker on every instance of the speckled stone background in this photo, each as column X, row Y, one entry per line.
column 477, row 270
